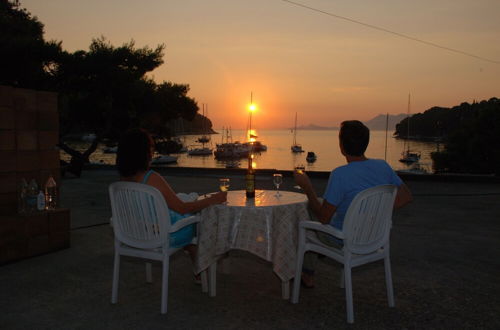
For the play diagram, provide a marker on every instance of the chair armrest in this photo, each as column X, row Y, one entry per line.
column 318, row 226
column 184, row 222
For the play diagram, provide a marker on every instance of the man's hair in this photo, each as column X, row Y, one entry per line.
column 354, row 137
column 134, row 152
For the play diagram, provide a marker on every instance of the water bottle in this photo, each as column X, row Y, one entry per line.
column 40, row 201
column 31, row 196
column 23, row 194
column 50, row 194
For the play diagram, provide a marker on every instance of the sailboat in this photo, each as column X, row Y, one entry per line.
column 408, row 156
column 295, row 146
column 202, row 151
column 204, row 138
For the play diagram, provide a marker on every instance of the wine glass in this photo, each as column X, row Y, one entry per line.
column 300, row 168
column 278, row 180
column 224, row 184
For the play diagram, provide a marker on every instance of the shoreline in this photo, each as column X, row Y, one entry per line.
column 191, row 171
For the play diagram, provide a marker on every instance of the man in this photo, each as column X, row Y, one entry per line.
column 344, row 184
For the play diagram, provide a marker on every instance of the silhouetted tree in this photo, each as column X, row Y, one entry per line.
column 26, row 59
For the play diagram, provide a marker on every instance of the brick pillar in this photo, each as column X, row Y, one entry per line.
column 29, row 132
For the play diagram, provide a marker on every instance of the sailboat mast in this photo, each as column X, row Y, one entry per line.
column 250, row 119
column 294, row 142
column 408, row 126
column 386, row 129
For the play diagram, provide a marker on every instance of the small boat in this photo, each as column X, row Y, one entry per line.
column 256, row 146
column 110, row 150
column 164, row 159
column 409, row 157
column 232, row 164
column 311, row 157
column 203, row 151
column 296, row 148
column 203, row 139
column 89, row 137
column 231, row 150
column 415, row 168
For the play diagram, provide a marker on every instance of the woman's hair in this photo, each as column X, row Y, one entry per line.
column 134, row 152
column 354, row 137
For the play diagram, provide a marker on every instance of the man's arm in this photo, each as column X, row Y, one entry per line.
column 403, row 196
column 323, row 211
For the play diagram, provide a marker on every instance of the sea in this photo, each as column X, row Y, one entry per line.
column 324, row 143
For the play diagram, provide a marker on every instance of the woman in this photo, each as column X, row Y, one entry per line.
column 133, row 159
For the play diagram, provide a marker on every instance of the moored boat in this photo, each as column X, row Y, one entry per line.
column 407, row 156
column 164, row 159
column 110, row 150
column 311, row 157
column 231, row 150
column 296, row 147
column 256, row 146
column 203, row 151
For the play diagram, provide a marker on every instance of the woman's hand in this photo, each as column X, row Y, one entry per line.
column 219, row 197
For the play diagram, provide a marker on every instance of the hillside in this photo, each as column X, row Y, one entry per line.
column 378, row 122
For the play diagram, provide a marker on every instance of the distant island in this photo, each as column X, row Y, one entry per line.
column 313, row 127
column 378, row 123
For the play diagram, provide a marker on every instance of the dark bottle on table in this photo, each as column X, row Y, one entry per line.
column 250, row 178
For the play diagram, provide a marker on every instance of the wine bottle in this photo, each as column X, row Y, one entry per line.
column 250, row 178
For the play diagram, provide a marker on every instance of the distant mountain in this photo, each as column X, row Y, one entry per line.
column 378, row 122
column 313, row 127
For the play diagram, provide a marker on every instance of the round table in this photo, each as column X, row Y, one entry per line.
column 265, row 225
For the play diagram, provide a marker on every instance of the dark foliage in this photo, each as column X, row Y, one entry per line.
column 472, row 137
column 103, row 90
column 26, row 59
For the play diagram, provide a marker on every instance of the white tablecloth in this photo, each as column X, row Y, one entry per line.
column 265, row 226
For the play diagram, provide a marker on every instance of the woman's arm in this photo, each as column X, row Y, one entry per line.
column 176, row 204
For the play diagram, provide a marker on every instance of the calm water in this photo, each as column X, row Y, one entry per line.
column 278, row 155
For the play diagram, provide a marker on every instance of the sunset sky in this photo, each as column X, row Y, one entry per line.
column 294, row 59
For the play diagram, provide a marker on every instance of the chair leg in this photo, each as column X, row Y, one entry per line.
column 149, row 276
column 348, row 294
column 285, row 289
column 116, row 278
column 212, row 280
column 225, row 264
column 298, row 275
column 388, row 281
column 164, row 285
column 204, row 281
column 342, row 279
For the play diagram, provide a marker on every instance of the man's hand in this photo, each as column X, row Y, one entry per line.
column 303, row 181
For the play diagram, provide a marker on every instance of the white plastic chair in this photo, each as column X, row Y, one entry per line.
column 141, row 224
column 365, row 233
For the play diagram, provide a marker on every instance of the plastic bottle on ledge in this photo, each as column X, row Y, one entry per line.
column 31, row 196
column 50, row 194
column 40, row 201
column 23, row 194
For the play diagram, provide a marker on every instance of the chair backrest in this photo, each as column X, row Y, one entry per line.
column 140, row 215
column 368, row 220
